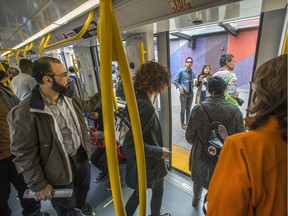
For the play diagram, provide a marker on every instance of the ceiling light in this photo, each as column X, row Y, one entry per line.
column 88, row 5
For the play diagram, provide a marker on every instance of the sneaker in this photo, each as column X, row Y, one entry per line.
column 108, row 187
column 86, row 210
column 100, row 177
column 166, row 214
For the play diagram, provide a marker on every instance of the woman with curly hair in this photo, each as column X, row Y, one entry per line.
column 150, row 79
column 251, row 175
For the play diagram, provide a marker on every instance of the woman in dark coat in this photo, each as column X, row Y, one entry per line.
column 149, row 81
column 221, row 110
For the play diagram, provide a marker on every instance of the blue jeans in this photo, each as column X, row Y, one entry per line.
column 186, row 102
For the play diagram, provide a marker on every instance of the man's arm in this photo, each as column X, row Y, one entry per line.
column 232, row 85
column 24, row 145
column 176, row 79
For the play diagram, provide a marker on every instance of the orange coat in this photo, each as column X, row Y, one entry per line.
column 251, row 175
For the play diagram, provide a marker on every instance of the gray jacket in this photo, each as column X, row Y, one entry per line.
column 10, row 99
column 37, row 143
column 153, row 143
column 219, row 109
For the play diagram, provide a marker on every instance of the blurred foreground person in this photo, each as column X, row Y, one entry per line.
column 251, row 175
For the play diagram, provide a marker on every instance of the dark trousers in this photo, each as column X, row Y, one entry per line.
column 8, row 175
column 81, row 185
column 203, row 96
column 98, row 159
column 156, row 200
column 186, row 103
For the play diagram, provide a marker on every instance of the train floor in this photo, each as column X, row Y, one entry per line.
column 177, row 196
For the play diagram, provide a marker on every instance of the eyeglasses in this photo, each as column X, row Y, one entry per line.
column 64, row 74
column 189, row 62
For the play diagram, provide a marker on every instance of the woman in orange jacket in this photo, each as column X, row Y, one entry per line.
column 251, row 175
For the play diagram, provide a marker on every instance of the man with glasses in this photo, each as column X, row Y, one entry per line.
column 184, row 81
column 50, row 141
column 227, row 64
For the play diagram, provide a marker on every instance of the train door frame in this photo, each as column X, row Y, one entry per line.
column 165, row 114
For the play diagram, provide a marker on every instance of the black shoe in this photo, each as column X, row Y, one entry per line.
column 100, row 177
column 45, row 213
column 108, row 187
column 86, row 210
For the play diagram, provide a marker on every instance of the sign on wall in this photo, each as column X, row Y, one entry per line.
column 180, row 5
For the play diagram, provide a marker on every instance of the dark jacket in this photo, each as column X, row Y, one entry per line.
column 37, row 143
column 10, row 99
column 219, row 109
column 153, row 143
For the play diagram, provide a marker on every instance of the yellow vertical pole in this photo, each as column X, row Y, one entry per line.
column 77, row 78
column 107, row 23
column 143, row 52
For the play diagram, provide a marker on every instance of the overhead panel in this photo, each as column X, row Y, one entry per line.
column 19, row 20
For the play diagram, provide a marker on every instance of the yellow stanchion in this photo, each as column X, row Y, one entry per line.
column 143, row 52
column 77, row 78
column 107, row 23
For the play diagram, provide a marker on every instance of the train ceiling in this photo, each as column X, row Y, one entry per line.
column 21, row 19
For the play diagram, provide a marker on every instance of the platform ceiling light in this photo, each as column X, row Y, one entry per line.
column 88, row 5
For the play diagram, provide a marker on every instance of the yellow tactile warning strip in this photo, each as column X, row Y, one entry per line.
column 180, row 158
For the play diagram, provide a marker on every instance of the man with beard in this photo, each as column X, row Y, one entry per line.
column 49, row 139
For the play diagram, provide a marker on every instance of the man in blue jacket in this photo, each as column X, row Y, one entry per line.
column 184, row 81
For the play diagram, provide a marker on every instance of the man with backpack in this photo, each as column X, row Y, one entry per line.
column 204, row 155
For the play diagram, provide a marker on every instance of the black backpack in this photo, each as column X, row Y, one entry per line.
column 212, row 146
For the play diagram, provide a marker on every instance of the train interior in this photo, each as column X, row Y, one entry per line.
column 168, row 31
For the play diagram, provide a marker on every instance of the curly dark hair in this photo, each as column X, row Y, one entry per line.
column 270, row 96
column 151, row 77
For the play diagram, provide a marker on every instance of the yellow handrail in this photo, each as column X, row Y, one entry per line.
column 27, row 48
column 106, row 24
column 77, row 78
column 17, row 56
column 143, row 52
column 40, row 48
column 75, row 37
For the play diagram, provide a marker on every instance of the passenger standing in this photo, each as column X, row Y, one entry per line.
column 23, row 83
column 3, row 80
column 8, row 172
column 227, row 64
column 74, row 86
column 251, row 175
column 156, row 78
column 201, row 84
column 184, row 80
column 218, row 109
column 12, row 72
column 50, row 141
